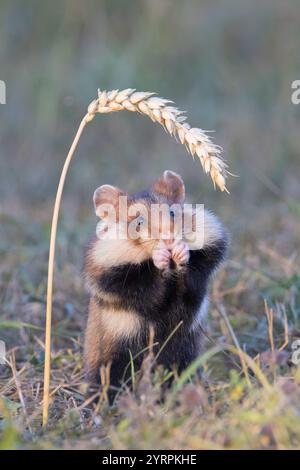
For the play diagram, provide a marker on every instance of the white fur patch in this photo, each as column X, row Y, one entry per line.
column 201, row 315
column 109, row 253
column 208, row 231
column 120, row 323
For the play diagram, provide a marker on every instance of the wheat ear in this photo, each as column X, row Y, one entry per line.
column 173, row 120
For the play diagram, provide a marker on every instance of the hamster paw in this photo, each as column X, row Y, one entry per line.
column 161, row 258
column 180, row 253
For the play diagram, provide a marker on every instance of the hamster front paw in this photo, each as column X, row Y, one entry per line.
column 180, row 253
column 161, row 257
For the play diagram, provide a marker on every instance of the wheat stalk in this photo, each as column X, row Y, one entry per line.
column 173, row 120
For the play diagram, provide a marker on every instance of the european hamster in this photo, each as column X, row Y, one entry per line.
column 144, row 272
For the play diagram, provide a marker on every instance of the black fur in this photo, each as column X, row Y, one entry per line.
column 164, row 299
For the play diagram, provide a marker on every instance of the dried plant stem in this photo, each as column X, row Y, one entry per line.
column 252, row 365
column 174, row 122
column 236, row 342
column 286, row 332
column 60, row 188
column 19, row 389
column 269, row 313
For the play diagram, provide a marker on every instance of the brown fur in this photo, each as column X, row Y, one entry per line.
column 170, row 186
column 107, row 325
column 123, row 307
column 97, row 347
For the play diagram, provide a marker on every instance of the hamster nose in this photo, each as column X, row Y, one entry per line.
column 169, row 242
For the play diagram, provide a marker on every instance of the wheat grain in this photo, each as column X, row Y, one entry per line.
column 174, row 122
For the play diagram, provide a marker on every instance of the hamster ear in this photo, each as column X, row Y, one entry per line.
column 104, row 196
column 171, row 186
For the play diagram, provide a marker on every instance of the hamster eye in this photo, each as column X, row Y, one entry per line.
column 140, row 220
column 172, row 213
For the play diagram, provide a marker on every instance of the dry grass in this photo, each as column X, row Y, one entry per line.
column 251, row 393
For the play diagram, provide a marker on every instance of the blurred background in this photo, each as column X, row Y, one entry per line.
column 229, row 64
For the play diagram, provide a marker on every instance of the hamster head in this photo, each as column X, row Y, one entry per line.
column 148, row 218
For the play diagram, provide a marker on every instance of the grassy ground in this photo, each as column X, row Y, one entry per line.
column 230, row 65
column 255, row 307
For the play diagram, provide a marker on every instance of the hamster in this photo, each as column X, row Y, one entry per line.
column 148, row 277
